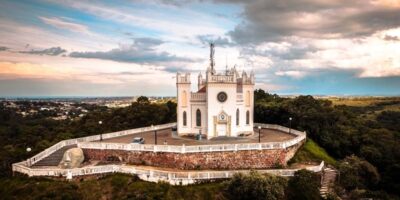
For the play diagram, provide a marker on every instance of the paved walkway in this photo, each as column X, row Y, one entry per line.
column 166, row 135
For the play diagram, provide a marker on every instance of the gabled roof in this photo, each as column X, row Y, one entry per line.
column 202, row 90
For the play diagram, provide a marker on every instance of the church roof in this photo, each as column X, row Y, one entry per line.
column 202, row 90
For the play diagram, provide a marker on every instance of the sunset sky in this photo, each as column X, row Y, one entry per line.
column 127, row 48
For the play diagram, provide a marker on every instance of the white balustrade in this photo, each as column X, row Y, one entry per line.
column 198, row 97
column 147, row 172
column 87, row 142
column 64, row 143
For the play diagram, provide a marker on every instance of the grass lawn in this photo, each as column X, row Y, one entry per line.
column 312, row 152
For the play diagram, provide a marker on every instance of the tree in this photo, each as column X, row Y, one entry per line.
column 256, row 186
column 304, row 185
column 356, row 173
column 143, row 100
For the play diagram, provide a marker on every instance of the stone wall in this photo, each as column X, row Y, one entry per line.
column 246, row 159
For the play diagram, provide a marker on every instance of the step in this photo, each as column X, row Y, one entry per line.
column 55, row 158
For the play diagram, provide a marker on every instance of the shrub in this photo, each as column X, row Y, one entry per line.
column 304, row 185
column 256, row 186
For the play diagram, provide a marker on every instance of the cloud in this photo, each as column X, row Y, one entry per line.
column 337, row 81
column 288, row 50
column 142, row 51
column 217, row 40
column 53, row 51
column 294, row 74
column 3, row 48
column 67, row 25
column 272, row 20
column 391, row 38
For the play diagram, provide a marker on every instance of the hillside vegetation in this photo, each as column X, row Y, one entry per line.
column 368, row 135
column 361, row 141
column 312, row 152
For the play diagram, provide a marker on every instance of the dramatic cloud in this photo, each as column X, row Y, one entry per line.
column 67, row 25
column 142, row 50
column 271, row 20
column 54, row 51
column 294, row 46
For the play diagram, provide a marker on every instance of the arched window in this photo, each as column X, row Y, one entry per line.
column 237, row 117
column 198, row 117
column 184, row 118
column 247, row 117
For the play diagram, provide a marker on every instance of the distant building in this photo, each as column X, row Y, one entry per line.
column 222, row 106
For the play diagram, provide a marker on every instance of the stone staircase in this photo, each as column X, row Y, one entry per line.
column 328, row 179
column 54, row 158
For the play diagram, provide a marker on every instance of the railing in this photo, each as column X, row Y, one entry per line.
column 64, row 143
column 151, row 174
column 300, row 136
column 85, row 142
column 198, row 97
column 222, row 78
column 155, row 175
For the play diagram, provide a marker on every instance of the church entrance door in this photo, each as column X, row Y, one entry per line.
column 221, row 129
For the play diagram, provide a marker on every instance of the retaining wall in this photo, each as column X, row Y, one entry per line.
column 241, row 159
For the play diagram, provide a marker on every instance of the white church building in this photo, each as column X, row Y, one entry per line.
column 222, row 106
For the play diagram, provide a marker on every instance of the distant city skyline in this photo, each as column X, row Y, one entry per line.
column 133, row 48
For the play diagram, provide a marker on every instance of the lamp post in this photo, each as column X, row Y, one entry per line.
column 155, row 134
column 28, row 149
column 290, row 124
column 259, row 134
column 101, row 133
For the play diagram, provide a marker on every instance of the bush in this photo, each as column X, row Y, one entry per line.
column 256, row 186
column 356, row 173
column 304, row 185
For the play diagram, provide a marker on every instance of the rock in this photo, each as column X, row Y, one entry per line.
column 72, row 158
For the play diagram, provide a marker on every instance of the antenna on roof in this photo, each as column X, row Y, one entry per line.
column 226, row 64
column 212, row 62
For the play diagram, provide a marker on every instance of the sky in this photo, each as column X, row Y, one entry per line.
column 136, row 47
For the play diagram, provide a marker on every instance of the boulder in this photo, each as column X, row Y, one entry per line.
column 72, row 158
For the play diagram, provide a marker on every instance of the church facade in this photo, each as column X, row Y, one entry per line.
column 223, row 104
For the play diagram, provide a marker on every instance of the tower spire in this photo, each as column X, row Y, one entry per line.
column 212, row 62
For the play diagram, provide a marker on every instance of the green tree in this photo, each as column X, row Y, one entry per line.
column 356, row 173
column 142, row 99
column 304, row 185
column 256, row 186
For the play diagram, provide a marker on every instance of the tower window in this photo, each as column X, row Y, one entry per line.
column 184, row 118
column 184, row 99
column 237, row 117
column 247, row 117
column 247, row 98
column 198, row 117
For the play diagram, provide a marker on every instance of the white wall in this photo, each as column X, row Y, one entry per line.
column 212, row 107
column 202, row 107
column 181, row 87
column 215, row 107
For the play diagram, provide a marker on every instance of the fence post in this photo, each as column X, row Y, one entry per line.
column 183, row 148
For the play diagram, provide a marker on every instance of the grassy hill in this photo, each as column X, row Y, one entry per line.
column 312, row 152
